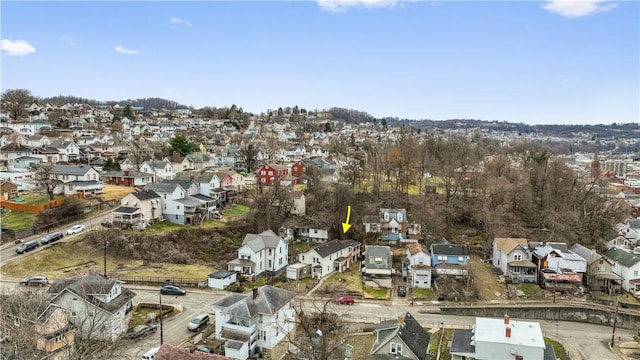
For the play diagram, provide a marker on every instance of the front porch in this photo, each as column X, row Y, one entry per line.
column 522, row 271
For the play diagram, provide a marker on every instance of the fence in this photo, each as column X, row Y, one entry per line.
column 34, row 209
column 153, row 280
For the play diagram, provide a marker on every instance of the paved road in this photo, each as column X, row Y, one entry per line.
column 590, row 341
column 8, row 251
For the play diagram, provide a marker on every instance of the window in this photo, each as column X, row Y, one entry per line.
column 280, row 261
column 302, row 257
column 165, row 196
column 269, row 264
column 270, row 172
column 16, row 322
column 178, row 207
column 176, row 216
column 386, row 216
column 74, row 314
column 517, row 257
column 396, row 348
column 399, row 216
column 263, row 172
column 269, row 251
column 635, row 273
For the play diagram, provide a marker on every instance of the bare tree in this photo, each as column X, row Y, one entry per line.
column 15, row 101
column 321, row 333
column 249, row 154
column 44, row 180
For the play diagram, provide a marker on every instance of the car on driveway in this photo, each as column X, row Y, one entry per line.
column 76, row 229
column 198, row 323
column 36, row 280
column 141, row 331
column 345, row 300
column 172, row 290
column 402, row 291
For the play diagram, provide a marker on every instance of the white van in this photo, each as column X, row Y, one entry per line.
column 151, row 354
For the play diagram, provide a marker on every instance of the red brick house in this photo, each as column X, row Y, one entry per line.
column 297, row 169
column 270, row 173
column 127, row 178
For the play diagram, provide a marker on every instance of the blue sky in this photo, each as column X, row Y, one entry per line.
column 536, row 62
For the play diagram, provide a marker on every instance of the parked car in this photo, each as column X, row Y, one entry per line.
column 172, row 290
column 402, row 291
column 198, row 323
column 141, row 331
column 204, row 348
column 28, row 246
column 76, row 229
column 36, row 280
column 49, row 238
column 344, row 299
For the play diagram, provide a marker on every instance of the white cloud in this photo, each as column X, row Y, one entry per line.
column 123, row 50
column 68, row 40
column 16, row 47
column 578, row 8
column 178, row 21
column 341, row 5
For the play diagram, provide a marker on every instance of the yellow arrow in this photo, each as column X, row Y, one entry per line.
column 345, row 225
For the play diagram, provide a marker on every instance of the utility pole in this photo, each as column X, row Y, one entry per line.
column 161, row 334
column 105, row 257
column 615, row 319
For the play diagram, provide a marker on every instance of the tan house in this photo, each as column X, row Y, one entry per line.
column 36, row 331
column 140, row 208
column 513, row 258
column 8, row 190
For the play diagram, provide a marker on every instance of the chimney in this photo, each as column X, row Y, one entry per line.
column 507, row 332
column 255, row 293
column 126, row 173
column 506, row 319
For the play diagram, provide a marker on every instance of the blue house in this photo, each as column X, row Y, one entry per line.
column 449, row 254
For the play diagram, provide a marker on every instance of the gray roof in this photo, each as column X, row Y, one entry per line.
column 634, row 223
column 381, row 252
column 184, row 183
column 197, row 177
column 549, row 353
column 562, row 246
column 70, row 169
column 189, row 201
column 126, row 210
column 265, row 240
column 221, row 274
column 393, row 214
column 203, row 197
column 157, row 164
column 449, row 249
column 145, row 195
column 461, row 342
column 334, row 246
column 625, row 258
column 269, row 300
column 163, row 187
column 542, row 251
column 411, row 333
column 87, row 287
column 590, row 255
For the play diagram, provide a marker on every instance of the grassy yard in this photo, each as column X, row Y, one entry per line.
column 486, row 283
column 17, row 220
column 113, row 192
column 70, row 259
column 361, row 345
column 139, row 317
column 557, row 347
column 235, row 212
column 529, row 289
column 350, row 280
column 35, row 198
column 423, row 294
column 376, row 293
column 163, row 226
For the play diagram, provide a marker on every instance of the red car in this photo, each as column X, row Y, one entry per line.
column 344, row 299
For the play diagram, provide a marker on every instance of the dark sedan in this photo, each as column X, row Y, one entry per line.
column 141, row 331
column 172, row 290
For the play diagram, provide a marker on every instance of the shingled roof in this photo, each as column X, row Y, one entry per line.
column 267, row 300
column 409, row 330
column 625, row 258
column 334, row 246
column 89, row 287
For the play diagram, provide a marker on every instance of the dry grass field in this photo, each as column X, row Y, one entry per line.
column 113, row 192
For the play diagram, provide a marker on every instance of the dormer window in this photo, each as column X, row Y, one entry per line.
column 386, row 216
column 399, row 216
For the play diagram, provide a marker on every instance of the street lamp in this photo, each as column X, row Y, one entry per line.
column 106, row 243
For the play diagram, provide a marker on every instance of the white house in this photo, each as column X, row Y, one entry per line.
column 335, row 255
column 254, row 323
column 161, row 169
column 68, row 150
column 559, row 259
column 170, row 193
column 76, row 179
column 512, row 257
column 492, row 339
column 627, row 266
column 264, row 253
column 416, row 269
column 221, row 279
column 100, row 308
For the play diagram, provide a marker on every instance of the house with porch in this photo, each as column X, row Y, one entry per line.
column 98, row 307
column 68, row 150
column 559, row 258
column 627, row 266
column 600, row 275
column 170, row 193
column 77, row 179
column 512, row 257
column 253, row 323
column 378, row 266
column 449, row 259
column 161, row 169
column 139, row 209
column 261, row 254
column 335, row 255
